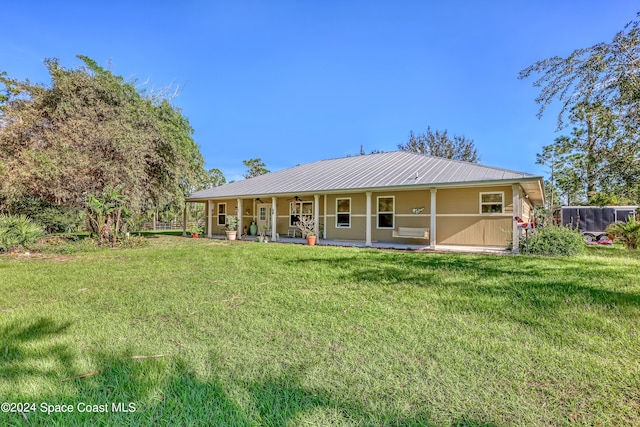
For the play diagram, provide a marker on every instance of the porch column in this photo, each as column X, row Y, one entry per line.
column 316, row 215
column 274, row 218
column 209, row 209
column 324, row 217
column 515, row 189
column 368, row 220
column 184, row 219
column 432, row 220
column 239, row 204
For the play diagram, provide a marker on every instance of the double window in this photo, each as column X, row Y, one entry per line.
column 296, row 209
column 222, row 214
column 492, row 202
column 386, row 212
column 343, row 213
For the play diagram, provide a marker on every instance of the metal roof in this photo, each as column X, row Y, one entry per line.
column 399, row 169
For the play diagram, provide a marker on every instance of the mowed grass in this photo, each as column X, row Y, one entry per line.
column 271, row 334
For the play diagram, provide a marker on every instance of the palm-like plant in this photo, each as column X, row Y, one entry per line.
column 16, row 231
column 628, row 231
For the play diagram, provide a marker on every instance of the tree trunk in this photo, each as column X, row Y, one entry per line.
column 117, row 227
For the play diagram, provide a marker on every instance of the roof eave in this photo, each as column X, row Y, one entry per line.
column 422, row 186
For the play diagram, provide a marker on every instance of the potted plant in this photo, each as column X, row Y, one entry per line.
column 307, row 225
column 232, row 227
column 311, row 238
column 195, row 231
column 262, row 234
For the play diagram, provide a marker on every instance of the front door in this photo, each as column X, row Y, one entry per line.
column 264, row 216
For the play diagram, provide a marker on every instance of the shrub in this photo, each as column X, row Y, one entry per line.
column 628, row 232
column 553, row 240
column 18, row 231
column 54, row 218
column 131, row 242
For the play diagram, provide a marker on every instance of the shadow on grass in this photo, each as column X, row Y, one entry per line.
column 128, row 391
column 534, row 291
column 29, row 349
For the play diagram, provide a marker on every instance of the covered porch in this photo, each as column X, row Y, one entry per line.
column 496, row 250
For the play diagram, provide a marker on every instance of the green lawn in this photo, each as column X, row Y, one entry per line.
column 272, row 334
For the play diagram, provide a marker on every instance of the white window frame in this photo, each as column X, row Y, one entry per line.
column 501, row 193
column 393, row 213
column 298, row 204
column 343, row 213
column 218, row 213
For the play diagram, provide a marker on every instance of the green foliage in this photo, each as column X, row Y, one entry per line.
column 69, row 244
column 256, row 168
column 593, row 162
column 439, row 144
column 602, row 72
column 553, row 240
column 211, row 178
column 88, row 130
column 105, row 213
column 232, row 222
column 18, row 231
column 54, row 218
column 628, row 232
column 599, row 90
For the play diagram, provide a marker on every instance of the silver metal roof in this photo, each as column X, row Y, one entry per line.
column 398, row 169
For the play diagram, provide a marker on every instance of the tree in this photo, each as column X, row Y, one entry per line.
column 582, row 161
column 105, row 213
column 88, row 131
column 605, row 73
column 256, row 168
column 211, row 178
column 599, row 90
column 439, row 144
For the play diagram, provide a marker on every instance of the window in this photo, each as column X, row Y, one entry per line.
column 385, row 212
column 299, row 208
column 263, row 213
column 343, row 213
column 492, row 202
column 222, row 214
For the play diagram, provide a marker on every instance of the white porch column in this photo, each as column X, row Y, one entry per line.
column 324, row 215
column 316, row 214
column 432, row 220
column 184, row 219
column 274, row 218
column 515, row 188
column 209, row 207
column 239, row 204
column 368, row 221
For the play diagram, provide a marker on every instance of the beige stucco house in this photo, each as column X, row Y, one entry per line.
column 386, row 197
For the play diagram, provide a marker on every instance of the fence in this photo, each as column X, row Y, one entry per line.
column 173, row 225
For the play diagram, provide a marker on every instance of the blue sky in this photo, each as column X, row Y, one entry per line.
column 297, row 81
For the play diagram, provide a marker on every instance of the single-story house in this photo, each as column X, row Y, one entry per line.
column 395, row 196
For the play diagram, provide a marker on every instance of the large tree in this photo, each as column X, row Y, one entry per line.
column 599, row 91
column 605, row 73
column 90, row 130
column 439, row 144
